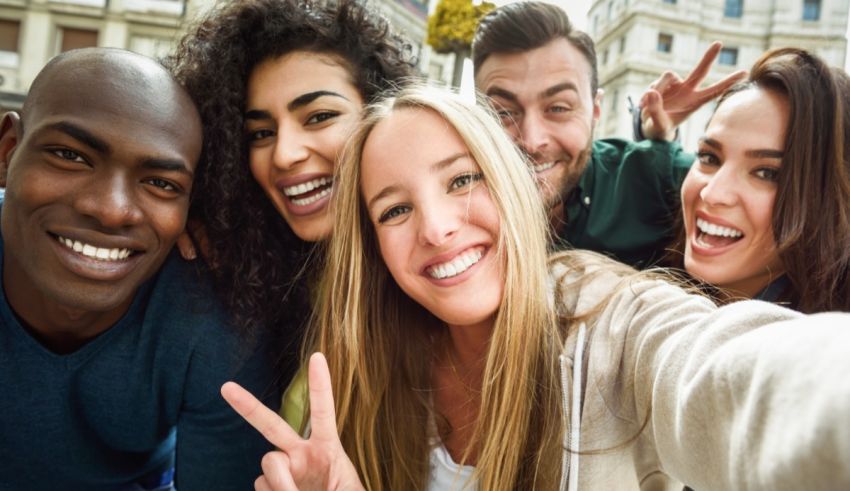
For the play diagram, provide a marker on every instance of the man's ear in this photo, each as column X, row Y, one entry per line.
column 597, row 105
column 10, row 133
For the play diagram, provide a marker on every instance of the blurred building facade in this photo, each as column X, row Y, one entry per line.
column 637, row 40
column 33, row 31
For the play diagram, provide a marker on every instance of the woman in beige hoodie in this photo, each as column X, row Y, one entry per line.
column 460, row 356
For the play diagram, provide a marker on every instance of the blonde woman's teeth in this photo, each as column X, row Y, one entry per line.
column 456, row 266
column 99, row 253
column 718, row 230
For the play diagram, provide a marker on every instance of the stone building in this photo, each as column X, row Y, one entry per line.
column 637, row 40
column 33, row 31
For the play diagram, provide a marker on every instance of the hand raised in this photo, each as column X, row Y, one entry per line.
column 670, row 100
column 317, row 463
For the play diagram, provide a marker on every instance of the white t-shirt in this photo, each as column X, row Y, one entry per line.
column 447, row 475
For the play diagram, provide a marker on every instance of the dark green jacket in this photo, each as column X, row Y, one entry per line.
column 627, row 200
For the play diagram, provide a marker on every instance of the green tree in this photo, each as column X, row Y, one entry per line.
column 451, row 27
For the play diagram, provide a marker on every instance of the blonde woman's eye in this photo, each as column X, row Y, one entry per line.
column 394, row 212
column 465, row 180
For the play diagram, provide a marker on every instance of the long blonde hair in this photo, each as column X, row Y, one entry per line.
column 380, row 344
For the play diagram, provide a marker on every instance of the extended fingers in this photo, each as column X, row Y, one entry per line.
column 720, row 87
column 322, row 412
column 701, row 70
column 263, row 419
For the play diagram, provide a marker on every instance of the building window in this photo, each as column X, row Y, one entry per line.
column 9, row 34
column 733, row 8
column 77, row 38
column 605, row 57
column 665, row 43
column 811, row 9
column 728, row 56
column 669, row 1
column 622, row 45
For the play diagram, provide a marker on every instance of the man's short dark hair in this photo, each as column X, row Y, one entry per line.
column 523, row 26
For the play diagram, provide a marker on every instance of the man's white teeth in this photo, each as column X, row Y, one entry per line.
column 306, row 187
column 456, row 266
column 718, row 230
column 93, row 252
column 542, row 166
column 312, row 199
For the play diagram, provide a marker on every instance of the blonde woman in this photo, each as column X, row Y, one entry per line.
column 459, row 355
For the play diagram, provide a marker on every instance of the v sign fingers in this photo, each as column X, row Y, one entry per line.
column 319, row 463
column 263, row 419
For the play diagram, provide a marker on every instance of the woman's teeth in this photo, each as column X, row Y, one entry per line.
column 93, row 252
column 311, row 199
column 456, row 266
column 306, row 187
column 718, row 230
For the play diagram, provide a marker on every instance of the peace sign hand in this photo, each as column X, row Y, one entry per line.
column 670, row 100
column 317, row 463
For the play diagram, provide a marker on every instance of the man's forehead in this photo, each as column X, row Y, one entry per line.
column 534, row 72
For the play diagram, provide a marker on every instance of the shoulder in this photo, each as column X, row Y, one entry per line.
column 647, row 158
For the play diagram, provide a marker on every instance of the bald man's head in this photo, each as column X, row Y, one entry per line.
column 98, row 172
column 109, row 70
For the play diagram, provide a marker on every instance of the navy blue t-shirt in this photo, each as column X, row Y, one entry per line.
column 136, row 399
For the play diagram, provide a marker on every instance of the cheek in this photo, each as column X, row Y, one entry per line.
column 573, row 135
column 391, row 252
column 170, row 220
column 258, row 162
column 761, row 210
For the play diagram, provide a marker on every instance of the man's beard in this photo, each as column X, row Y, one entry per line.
column 572, row 175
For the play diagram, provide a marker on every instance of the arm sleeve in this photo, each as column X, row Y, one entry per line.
column 216, row 448
column 748, row 396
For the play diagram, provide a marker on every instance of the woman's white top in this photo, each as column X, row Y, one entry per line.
column 447, row 475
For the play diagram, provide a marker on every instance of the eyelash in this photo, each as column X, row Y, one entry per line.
column 69, row 155
column 472, row 176
column 321, row 117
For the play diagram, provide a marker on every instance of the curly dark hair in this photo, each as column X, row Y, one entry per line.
column 261, row 268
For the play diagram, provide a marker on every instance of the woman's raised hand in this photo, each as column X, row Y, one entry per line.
column 317, row 463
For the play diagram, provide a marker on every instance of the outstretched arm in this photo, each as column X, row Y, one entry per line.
column 670, row 100
column 318, row 462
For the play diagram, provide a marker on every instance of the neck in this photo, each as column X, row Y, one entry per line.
column 557, row 219
column 468, row 344
column 749, row 288
column 59, row 328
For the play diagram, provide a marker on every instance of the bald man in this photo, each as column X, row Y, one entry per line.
column 110, row 368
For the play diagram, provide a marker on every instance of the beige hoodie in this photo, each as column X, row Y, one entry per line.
column 670, row 389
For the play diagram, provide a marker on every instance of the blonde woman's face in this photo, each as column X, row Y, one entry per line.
column 728, row 196
column 300, row 111
column 436, row 223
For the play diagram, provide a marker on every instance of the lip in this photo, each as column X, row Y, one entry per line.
column 302, row 210
column 714, row 251
column 447, row 256
column 94, row 269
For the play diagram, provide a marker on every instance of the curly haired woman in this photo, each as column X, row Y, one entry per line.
column 279, row 85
